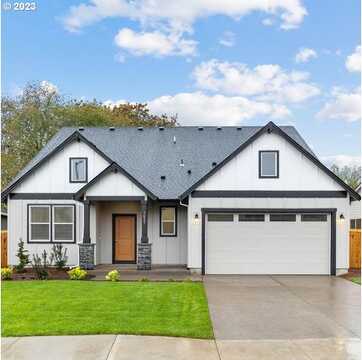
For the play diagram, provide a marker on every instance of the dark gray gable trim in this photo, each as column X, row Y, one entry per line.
column 331, row 211
column 115, row 198
column 113, row 168
column 270, row 127
column 41, row 196
column 75, row 136
column 266, row 194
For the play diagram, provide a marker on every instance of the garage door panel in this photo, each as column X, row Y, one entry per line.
column 267, row 247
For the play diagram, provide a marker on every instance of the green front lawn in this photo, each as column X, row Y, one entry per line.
column 356, row 279
column 97, row 307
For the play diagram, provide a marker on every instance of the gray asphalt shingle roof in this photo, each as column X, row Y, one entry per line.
column 151, row 153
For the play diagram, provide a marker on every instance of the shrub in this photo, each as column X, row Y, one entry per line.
column 40, row 265
column 23, row 256
column 113, row 276
column 144, row 279
column 6, row 273
column 171, row 280
column 59, row 256
column 77, row 274
column 188, row 280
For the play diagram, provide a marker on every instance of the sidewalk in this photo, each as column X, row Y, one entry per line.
column 127, row 347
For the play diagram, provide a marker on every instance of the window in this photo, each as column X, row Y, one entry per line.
column 168, row 221
column 314, row 217
column 268, row 164
column 283, row 217
column 355, row 224
column 78, row 170
column 39, row 223
column 63, row 223
column 220, row 217
column 251, row 217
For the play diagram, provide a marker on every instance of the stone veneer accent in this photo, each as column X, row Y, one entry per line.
column 86, row 256
column 144, row 258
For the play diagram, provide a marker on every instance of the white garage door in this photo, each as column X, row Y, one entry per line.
column 259, row 243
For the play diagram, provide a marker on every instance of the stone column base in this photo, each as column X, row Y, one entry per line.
column 144, row 256
column 86, row 256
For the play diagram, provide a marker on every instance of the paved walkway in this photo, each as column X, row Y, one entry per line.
column 123, row 347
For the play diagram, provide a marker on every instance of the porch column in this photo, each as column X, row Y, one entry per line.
column 86, row 248
column 144, row 255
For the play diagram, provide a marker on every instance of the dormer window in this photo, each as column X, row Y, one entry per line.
column 78, row 170
column 268, row 164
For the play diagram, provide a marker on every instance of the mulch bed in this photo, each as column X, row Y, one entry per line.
column 352, row 273
column 54, row 274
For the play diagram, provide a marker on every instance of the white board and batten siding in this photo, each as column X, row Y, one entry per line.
column 296, row 173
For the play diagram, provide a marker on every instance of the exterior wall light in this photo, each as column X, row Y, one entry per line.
column 341, row 218
column 196, row 219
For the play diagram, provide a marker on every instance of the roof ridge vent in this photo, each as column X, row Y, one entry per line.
column 140, row 128
column 189, row 171
column 81, row 128
column 174, row 140
column 182, row 162
column 214, row 163
column 112, row 128
column 238, row 128
column 163, row 177
column 219, row 128
column 161, row 128
column 200, row 128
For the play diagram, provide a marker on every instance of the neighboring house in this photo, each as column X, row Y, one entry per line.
column 4, row 218
column 221, row 200
column 355, row 214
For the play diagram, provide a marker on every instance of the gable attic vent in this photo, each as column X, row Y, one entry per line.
column 112, row 128
column 182, row 162
column 214, row 163
column 163, row 177
column 161, row 128
column 201, row 128
column 189, row 171
column 81, row 128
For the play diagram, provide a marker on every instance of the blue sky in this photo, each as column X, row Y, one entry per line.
column 227, row 63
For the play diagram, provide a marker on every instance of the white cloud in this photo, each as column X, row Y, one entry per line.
column 304, row 55
column 204, row 109
column 266, row 82
column 290, row 12
column 154, row 43
column 341, row 160
column 227, row 39
column 268, row 22
column 353, row 62
column 342, row 106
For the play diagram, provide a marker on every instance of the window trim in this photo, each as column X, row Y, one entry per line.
column 70, row 170
column 54, row 223
column 50, row 241
column 29, row 223
column 175, row 232
column 261, row 176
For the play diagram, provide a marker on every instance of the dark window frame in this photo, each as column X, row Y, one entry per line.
column 221, row 213
column 283, row 214
column 28, row 223
column 251, row 220
column 304, row 216
column 29, row 241
column 176, row 222
column 70, row 170
column 355, row 224
column 53, row 223
column 260, row 164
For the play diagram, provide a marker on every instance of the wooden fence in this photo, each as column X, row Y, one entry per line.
column 355, row 249
column 4, row 249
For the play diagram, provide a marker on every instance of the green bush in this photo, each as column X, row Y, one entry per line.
column 40, row 265
column 59, row 256
column 77, row 274
column 144, row 279
column 6, row 273
column 113, row 276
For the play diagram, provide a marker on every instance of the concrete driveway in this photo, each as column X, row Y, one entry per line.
column 285, row 317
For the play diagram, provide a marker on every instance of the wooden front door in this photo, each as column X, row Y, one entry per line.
column 124, row 238
column 355, row 249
